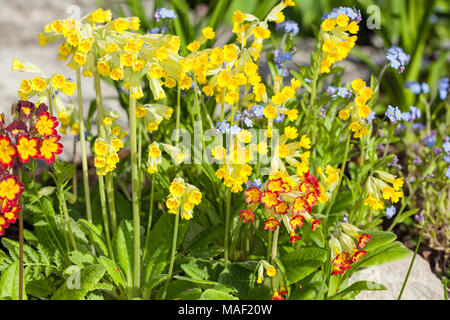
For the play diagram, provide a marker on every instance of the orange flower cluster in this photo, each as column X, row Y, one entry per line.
column 343, row 260
column 10, row 189
column 287, row 199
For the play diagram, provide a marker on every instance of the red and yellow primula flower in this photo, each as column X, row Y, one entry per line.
column 27, row 148
column 7, row 152
column 10, row 188
column 46, row 125
column 49, row 147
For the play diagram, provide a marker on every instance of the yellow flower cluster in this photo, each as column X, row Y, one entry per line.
column 153, row 114
column 337, row 40
column 68, row 118
column 106, row 150
column 378, row 189
column 358, row 109
column 42, row 85
column 183, row 195
column 154, row 158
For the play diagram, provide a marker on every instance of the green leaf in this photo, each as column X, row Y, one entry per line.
column 197, row 281
column 406, row 215
column 239, row 277
column 211, row 294
column 9, row 282
column 393, row 252
column 378, row 239
column 113, row 271
column 81, row 259
column 123, row 248
column 302, row 262
column 89, row 277
column 94, row 234
column 194, row 271
column 357, row 287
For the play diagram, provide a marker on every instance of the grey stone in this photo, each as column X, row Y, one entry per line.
column 422, row 283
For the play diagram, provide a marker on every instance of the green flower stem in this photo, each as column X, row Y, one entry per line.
column 67, row 220
column 341, row 176
column 227, row 226
column 19, row 177
column 101, row 187
column 109, row 177
column 50, row 102
column 208, row 117
column 269, row 244
column 87, row 194
column 101, row 181
column 139, row 151
column 111, row 200
column 74, row 179
column 274, row 246
column 412, row 261
column 388, row 141
column 135, row 195
column 222, row 108
column 177, row 125
column 150, row 216
column 172, row 255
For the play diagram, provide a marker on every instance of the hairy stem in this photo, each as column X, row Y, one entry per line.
column 172, row 255
column 227, row 226
column 135, row 197
column 87, row 194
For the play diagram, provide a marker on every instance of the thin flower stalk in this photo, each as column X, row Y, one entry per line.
column 135, row 196
column 87, row 194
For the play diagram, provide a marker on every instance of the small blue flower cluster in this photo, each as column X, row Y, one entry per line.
column 443, row 88
column 163, row 13
column 394, row 114
column 430, row 140
column 446, row 146
column 342, row 92
column 398, row 58
column 157, row 30
column 288, row 26
column 417, row 87
column 352, row 13
column 280, row 60
column 390, row 212
column 412, row 115
column 256, row 183
column 246, row 117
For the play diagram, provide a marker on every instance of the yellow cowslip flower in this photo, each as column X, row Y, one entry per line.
column 69, row 88
column 85, row 45
column 353, row 27
column 117, row 144
column 261, row 33
column 80, row 58
column 280, row 17
column 328, row 24
column 135, row 23
column 271, row 271
column 17, row 65
column 26, row 86
column 38, row 84
column 290, row 132
column 101, row 16
column 74, row 39
column 229, row 52
column 111, row 47
column 172, row 204
column 58, row 81
column 358, row 84
column 120, row 25
column 238, row 17
column 193, row 46
column 177, row 187
column 292, row 114
column 289, row 3
column 208, row 33
column 305, row 142
column 116, row 74
column 103, row 68
column 140, row 112
column 342, row 20
column 156, row 71
column 373, row 203
column 364, row 111
column 270, row 112
column 127, row 59
column 344, row 114
column 161, row 54
column 75, row 128
column 100, row 147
